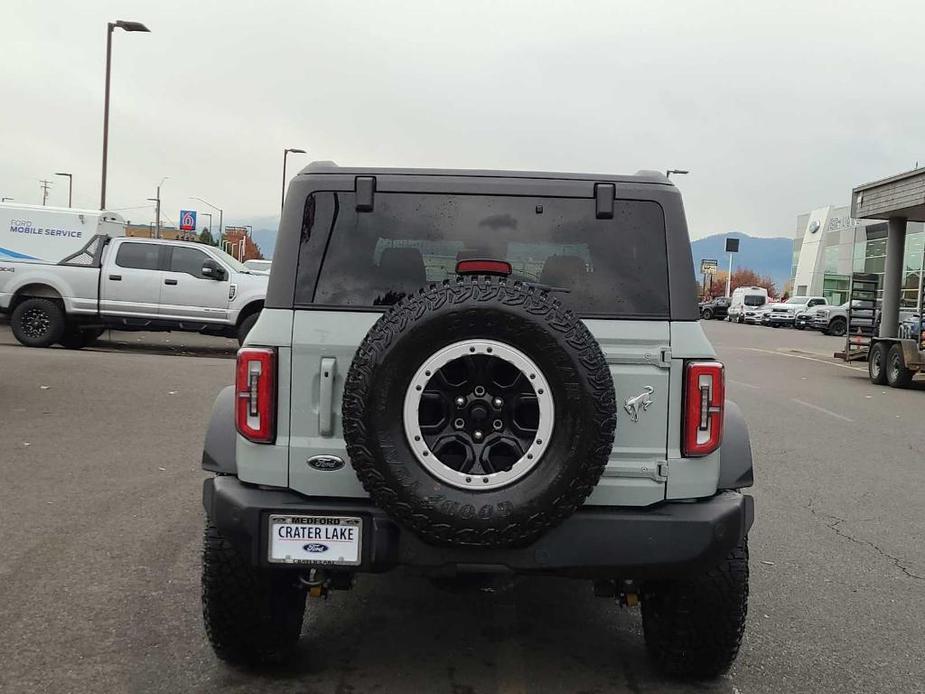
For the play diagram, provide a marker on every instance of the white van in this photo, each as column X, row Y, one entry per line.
column 745, row 297
column 33, row 234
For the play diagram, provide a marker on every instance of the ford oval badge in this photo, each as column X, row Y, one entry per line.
column 315, row 547
column 325, row 463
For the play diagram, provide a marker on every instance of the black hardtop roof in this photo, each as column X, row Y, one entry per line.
column 329, row 167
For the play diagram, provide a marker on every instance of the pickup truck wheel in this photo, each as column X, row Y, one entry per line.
column 38, row 322
column 876, row 364
column 479, row 413
column 693, row 626
column 838, row 327
column 897, row 375
column 245, row 327
column 252, row 617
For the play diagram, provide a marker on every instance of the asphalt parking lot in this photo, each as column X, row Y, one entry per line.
column 101, row 517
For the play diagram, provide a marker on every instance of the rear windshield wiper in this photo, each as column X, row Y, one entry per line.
column 548, row 288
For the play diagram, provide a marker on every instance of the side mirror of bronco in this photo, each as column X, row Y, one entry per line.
column 212, row 270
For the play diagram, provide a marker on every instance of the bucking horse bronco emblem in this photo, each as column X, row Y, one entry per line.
column 638, row 403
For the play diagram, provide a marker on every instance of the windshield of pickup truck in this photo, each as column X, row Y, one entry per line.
column 798, row 300
column 233, row 262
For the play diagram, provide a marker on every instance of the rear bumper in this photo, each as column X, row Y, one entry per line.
column 670, row 539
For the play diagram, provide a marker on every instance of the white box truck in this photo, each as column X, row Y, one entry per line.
column 33, row 234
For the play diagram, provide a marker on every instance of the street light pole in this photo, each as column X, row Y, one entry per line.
column 127, row 26
column 70, row 187
column 286, row 152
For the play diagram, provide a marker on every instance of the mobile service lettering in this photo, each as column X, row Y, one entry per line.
column 24, row 226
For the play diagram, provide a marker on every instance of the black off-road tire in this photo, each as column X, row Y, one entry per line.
column 563, row 349
column 838, row 327
column 48, row 313
column 897, row 375
column 707, row 314
column 693, row 627
column 245, row 326
column 251, row 616
column 876, row 364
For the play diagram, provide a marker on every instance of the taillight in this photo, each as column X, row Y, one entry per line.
column 704, row 397
column 255, row 389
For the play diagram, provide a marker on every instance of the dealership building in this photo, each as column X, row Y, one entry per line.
column 829, row 245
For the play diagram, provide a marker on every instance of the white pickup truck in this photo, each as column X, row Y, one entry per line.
column 125, row 283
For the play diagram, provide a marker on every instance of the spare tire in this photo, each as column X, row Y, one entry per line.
column 479, row 412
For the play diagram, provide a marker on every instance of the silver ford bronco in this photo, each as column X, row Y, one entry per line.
column 479, row 371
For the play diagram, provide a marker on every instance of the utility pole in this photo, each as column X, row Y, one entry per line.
column 157, row 215
column 45, row 185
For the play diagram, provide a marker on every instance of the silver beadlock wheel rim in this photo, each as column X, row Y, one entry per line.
column 532, row 451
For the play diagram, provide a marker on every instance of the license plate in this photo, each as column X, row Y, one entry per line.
column 315, row 540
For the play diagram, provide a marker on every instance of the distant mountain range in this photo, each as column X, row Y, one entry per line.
column 766, row 256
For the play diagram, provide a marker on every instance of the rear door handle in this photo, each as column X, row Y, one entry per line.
column 116, row 278
column 170, row 281
column 326, row 404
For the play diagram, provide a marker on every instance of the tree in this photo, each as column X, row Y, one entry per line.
column 205, row 236
column 743, row 277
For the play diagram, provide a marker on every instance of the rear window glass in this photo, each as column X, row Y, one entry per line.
column 607, row 266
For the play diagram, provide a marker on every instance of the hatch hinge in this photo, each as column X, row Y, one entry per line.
column 365, row 189
column 661, row 471
column 662, row 358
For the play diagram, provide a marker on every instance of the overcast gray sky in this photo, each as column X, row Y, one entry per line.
column 774, row 107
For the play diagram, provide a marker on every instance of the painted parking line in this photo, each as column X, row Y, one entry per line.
column 822, row 409
column 803, row 356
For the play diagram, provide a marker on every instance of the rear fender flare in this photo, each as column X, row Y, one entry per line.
column 218, row 454
column 735, row 455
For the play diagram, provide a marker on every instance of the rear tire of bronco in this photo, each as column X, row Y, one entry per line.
column 38, row 322
column 252, row 617
column 693, row 626
column 479, row 413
